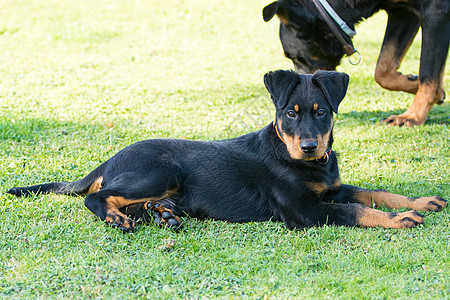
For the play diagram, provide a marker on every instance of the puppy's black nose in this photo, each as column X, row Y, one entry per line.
column 308, row 146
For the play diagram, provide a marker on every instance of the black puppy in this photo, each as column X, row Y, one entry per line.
column 309, row 41
column 285, row 172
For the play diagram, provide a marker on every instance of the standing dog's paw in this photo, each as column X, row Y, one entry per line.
column 403, row 120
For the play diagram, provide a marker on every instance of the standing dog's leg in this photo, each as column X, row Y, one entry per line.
column 435, row 43
column 401, row 29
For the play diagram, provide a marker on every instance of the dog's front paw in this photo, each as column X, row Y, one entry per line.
column 407, row 219
column 120, row 221
column 403, row 120
column 164, row 216
column 434, row 203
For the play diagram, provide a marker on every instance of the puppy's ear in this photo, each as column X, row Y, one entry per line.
column 333, row 85
column 280, row 85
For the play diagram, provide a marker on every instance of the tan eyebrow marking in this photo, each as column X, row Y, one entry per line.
column 296, row 108
column 315, row 106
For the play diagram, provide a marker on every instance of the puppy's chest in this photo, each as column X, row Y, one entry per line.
column 321, row 184
column 317, row 182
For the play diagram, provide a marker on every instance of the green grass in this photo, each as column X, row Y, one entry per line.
column 193, row 69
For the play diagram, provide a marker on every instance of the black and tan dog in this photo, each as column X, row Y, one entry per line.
column 310, row 43
column 285, row 172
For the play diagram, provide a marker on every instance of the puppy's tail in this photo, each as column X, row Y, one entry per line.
column 89, row 184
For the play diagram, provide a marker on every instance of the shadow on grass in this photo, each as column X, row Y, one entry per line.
column 255, row 116
column 246, row 107
column 439, row 115
column 41, row 129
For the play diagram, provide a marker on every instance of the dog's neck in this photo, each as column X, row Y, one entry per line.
column 354, row 11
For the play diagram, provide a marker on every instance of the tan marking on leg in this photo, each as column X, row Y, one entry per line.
column 114, row 203
column 120, row 202
column 317, row 187
column 386, row 74
column 167, row 194
column 113, row 214
column 117, row 219
column 368, row 217
column 390, row 200
column 96, row 186
column 417, row 112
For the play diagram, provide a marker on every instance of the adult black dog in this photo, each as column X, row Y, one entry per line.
column 310, row 43
column 284, row 172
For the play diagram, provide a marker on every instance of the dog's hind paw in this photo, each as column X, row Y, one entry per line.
column 120, row 221
column 164, row 216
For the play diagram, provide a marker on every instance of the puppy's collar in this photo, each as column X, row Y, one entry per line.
column 323, row 160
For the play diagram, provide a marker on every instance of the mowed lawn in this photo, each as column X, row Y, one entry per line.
column 80, row 80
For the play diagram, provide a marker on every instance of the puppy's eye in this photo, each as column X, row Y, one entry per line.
column 291, row 114
column 321, row 112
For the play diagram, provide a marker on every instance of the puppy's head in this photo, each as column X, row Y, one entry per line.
column 304, row 109
column 305, row 37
